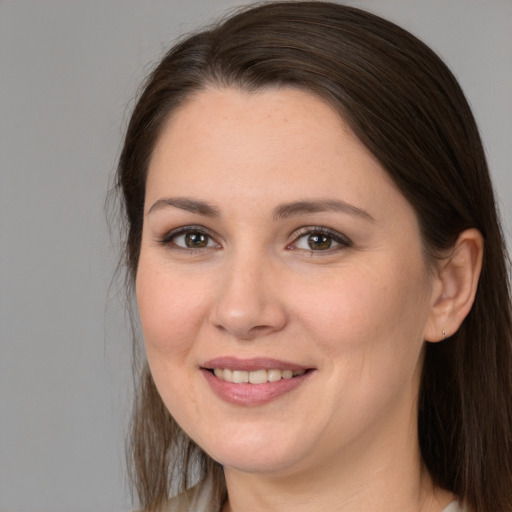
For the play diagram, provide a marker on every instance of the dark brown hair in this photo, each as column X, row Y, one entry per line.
column 405, row 105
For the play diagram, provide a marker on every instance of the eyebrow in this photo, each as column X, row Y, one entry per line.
column 186, row 203
column 323, row 205
column 283, row 211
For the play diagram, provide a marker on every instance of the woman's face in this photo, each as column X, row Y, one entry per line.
column 275, row 249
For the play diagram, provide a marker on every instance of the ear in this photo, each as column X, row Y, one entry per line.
column 454, row 286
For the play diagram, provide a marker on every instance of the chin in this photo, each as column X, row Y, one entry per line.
column 253, row 462
column 254, row 452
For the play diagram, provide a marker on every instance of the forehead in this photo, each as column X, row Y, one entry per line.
column 271, row 116
column 283, row 143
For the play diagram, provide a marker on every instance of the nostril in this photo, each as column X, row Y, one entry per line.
column 247, row 312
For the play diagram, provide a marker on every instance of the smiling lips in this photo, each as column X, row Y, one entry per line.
column 255, row 376
column 252, row 382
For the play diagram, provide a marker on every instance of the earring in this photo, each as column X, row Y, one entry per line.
column 444, row 334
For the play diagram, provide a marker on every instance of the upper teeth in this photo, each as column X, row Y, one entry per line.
column 255, row 376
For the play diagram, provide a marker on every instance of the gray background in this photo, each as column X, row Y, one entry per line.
column 69, row 71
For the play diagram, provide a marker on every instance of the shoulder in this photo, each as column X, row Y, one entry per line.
column 200, row 498
column 455, row 506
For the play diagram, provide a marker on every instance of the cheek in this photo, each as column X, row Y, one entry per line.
column 367, row 313
column 368, row 330
column 171, row 312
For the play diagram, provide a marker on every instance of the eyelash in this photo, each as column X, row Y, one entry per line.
column 342, row 241
column 168, row 238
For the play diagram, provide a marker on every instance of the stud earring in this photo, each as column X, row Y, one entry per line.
column 444, row 334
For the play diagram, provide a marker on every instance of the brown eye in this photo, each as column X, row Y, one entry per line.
column 319, row 242
column 320, row 239
column 188, row 238
column 196, row 240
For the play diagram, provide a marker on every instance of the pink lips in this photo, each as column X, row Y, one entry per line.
column 251, row 394
column 251, row 364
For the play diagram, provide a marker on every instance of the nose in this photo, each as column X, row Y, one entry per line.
column 249, row 304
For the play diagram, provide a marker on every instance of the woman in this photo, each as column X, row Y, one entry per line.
column 320, row 274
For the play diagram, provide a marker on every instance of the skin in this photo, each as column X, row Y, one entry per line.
column 357, row 313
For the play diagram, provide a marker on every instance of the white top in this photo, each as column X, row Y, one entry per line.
column 196, row 499
column 454, row 507
column 199, row 499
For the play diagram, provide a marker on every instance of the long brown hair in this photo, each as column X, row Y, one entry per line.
column 405, row 105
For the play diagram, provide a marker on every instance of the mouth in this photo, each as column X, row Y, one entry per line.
column 260, row 376
column 252, row 382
